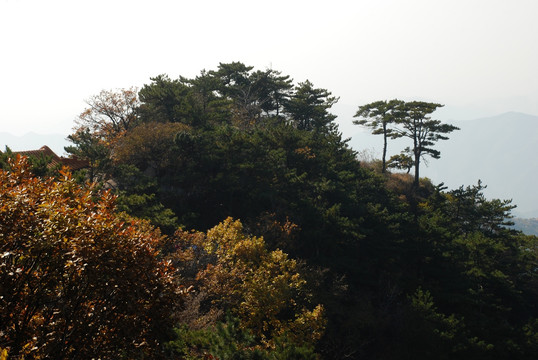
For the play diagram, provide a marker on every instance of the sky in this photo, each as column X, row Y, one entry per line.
column 477, row 57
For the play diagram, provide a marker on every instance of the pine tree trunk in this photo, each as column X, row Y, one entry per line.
column 383, row 168
column 416, row 152
column 417, row 163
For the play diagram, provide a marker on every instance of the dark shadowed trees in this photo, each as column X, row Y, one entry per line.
column 401, row 274
column 308, row 107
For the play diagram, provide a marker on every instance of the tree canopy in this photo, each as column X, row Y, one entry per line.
column 78, row 280
column 418, row 126
column 394, row 119
column 379, row 116
column 274, row 241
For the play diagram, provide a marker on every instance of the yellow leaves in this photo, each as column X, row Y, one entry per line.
column 251, row 250
column 263, row 288
column 309, row 325
column 224, row 236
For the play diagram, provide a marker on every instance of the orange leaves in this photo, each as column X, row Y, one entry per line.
column 74, row 276
column 306, row 152
column 111, row 111
column 109, row 115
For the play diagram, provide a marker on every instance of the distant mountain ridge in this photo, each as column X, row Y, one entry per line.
column 33, row 141
column 500, row 151
column 527, row 226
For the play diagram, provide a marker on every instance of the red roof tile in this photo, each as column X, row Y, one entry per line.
column 72, row 163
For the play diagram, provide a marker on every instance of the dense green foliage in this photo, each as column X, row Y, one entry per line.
column 369, row 264
column 403, row 269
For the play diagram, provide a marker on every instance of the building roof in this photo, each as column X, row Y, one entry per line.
column 73, row 163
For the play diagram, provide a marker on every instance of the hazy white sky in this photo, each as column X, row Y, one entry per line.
column 478, row 57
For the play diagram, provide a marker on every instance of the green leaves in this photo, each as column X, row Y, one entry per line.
column 394, row 119
column 483, row 267
column 380, row 116
column 308, row 107
column 247, row 143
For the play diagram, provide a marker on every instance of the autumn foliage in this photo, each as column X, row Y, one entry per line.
column 333, row 258
column 110, row 113
column 77, row 280
column 263, row 288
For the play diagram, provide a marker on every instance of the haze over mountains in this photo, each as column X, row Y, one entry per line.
column 500, row 151
column 33, row 141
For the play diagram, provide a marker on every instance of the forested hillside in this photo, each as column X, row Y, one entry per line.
column 224, row 217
